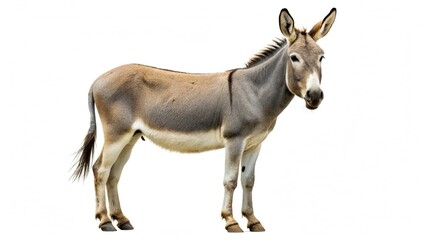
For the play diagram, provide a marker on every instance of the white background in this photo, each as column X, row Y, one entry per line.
column 353, row 169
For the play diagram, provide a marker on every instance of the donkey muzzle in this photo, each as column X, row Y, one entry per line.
column 313, row 98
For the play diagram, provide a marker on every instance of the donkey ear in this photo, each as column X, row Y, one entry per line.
column 287, row 25
column 321, row 28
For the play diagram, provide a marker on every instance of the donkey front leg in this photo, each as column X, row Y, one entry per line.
column 233, row 152
column 247, row 180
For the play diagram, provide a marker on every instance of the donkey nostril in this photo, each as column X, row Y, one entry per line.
column 308, row 94
column 322, row 95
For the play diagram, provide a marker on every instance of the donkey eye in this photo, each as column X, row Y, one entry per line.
column 321, row 58
column 294, row 58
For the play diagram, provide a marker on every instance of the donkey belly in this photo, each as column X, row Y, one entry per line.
column 185, row 142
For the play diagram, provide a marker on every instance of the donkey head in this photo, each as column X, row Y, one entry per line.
column 303, row 76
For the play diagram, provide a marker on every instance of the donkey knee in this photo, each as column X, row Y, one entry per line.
column 230, row 184
column 248, row 182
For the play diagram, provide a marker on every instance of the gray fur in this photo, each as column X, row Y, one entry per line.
column 185, row 112
column 236, row 101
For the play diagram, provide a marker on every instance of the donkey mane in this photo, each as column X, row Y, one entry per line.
column 271, row 49
column 267, row 52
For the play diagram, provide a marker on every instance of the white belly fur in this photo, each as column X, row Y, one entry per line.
column 179, row 141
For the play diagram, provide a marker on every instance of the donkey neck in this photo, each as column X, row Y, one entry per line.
column 268, row 80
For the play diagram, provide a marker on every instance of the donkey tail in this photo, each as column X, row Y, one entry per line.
column 86, row 151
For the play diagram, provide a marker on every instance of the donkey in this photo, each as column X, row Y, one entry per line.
column 185, row 112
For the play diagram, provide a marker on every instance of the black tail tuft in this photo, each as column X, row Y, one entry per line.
column 87, row 150
column 85, row 155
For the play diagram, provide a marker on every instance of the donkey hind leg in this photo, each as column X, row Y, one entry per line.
column 248, row 164
column 114, row 177
column 233, row 153
column 101, row 172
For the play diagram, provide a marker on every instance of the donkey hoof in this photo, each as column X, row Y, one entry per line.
column 233, row 228
column 107, row 227
column 256, row 227
column 125, row 226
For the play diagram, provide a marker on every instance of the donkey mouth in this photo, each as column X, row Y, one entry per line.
column 311, row 106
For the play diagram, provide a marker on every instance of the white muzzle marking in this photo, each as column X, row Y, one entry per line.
column 312, row 83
